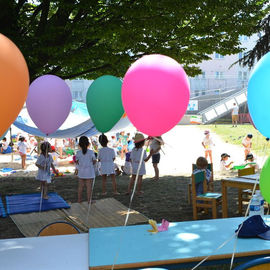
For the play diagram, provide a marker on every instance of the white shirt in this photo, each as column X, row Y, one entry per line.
column 85, row 165
column 5, row 145
column 135, row 157
column 223, row 166
column 235, row 110
column 45, row 162
column 106, row 156
column 155, row 144
column 22, row 147
column 208, row 143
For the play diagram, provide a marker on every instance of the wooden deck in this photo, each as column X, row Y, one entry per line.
column 104, row 213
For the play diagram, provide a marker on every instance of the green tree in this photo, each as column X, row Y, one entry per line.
column 88, row 38
column 262, row 46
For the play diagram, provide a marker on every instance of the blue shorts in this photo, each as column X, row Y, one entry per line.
column 156, row 158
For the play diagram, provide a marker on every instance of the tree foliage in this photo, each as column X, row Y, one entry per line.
column 262, row 46
column 88, row 38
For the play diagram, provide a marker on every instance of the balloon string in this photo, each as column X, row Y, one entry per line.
column 129, row 207
column 90, row 201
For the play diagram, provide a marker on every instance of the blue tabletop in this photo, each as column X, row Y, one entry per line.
column 183, row 242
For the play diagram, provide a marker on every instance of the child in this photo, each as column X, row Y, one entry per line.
column 22, row 147
column 106, row 156
column 202, row 165
column 251, row 162
column 127, row 168
column 54, row 156
column 5, row 148
column 207, row 144
column 155, row 147
column 44, row 163
column 224, row 165
column 123, row 140
column 85, row 159
column 135, row 157
column 247, row 143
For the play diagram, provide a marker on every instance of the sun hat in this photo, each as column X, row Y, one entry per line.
column 138, row 137
column 249, row 156
column 206, row 132
column 224, row 155
column 254, row 226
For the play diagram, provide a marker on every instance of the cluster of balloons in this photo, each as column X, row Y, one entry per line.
column 154, row 94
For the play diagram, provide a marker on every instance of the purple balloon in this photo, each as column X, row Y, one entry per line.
column 48, row 102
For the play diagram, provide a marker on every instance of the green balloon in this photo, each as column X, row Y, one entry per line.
column 104, row 102
column 265, row 180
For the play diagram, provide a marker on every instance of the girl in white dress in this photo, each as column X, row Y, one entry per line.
column 44, row 164
column 85, row 159
column 135, row 157
column 106, row 156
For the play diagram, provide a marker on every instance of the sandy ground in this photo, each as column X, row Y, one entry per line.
column 183, row 145
column 182, row 148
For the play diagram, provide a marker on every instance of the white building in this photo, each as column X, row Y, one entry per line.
column 78, row 88
column 218, row 74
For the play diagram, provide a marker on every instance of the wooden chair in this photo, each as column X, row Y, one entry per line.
column 244, row 195
column 206, row 199
column 210, row 185
column 256, row 264
column 58, row 228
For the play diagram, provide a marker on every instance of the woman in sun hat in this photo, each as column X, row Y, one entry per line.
column 135, row 158
column 207, row 143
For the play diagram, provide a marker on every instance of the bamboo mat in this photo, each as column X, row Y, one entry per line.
column 104, row 213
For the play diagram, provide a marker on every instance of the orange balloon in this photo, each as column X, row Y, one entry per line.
column 14, row 82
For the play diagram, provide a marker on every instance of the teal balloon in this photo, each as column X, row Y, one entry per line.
column 265, row 180
column 104, row 102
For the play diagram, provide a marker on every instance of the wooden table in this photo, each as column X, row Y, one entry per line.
column 183, row 245
column 244, row 182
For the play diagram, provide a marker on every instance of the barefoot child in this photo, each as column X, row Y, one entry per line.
column 85, row 159
column 44, row 164
column 106, row 156
column 224, row 164
column 135, row 157
column 22, row 147
column 247, row 143
column 207, row 143
column 155, row 147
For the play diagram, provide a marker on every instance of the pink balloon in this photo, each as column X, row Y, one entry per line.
column 48, row 102
column 155, row 94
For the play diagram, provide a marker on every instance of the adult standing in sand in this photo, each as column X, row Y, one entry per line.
column 235, row 111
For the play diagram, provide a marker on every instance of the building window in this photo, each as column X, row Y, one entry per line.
column 219, row 56
column 243, row 38
column 203, row 75
column 197, row 92
column 219, row 75
column 244, row 75
column 203, row 92
column 240, row 55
